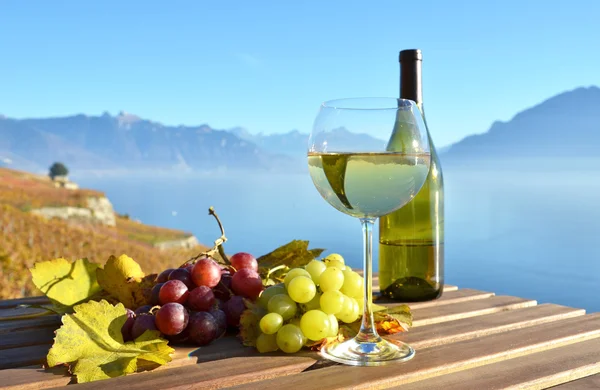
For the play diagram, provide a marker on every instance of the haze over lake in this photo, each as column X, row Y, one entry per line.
column 528, row 229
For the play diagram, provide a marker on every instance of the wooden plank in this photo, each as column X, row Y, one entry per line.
column 23, row 356
column 420, row 338
column 35, row 355
column 451, row 297
column 537, row 371
column 211, row 375
column 33, row 377
column 51, row 321
column 14, row 313
column 46, row 335
column 467, row 328
column 437, row 314
column 7, row 303
column 446, row 359
column 590, row 382
column 27, row 337
column 230, row 347
column 184, row 355
column 44, row 328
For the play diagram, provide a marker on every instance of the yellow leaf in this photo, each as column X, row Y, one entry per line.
column 91, row 343
column 122, row 278
column 64, row 282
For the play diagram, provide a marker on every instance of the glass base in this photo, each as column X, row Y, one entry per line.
column 368, row 353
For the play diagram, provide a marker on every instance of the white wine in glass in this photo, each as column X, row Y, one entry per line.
column 368, row 183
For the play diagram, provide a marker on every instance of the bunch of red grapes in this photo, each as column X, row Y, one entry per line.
column 198, row 302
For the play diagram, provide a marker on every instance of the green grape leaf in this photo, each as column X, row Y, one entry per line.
column 249, row 323
column 66, row 283
column 125, row 281
column 293, row 254
column 91, row 344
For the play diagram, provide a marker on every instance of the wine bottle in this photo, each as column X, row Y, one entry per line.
column 411, row 239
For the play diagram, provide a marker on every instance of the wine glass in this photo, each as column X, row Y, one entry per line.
column 368, row 157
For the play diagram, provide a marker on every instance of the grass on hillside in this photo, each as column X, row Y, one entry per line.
column 27, row 191
column 147, row 233
column 26, row 238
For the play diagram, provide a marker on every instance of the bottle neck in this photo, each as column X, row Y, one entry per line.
column 410, row 81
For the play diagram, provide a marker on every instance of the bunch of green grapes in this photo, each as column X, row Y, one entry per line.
column 307, row 306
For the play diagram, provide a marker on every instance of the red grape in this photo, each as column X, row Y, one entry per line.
column 142, row 323
column 126, row 328
column 243, row 260
column 143, row 309
column 155, row 297
column 221, row 319
column 183, row 275
column 171, row 319
column 164, row 276
column 188, row 267
column 203, row 328
column 233, row 309
column 173, row 291
column 201, row 299
column 247, row 283
column 206, row 272
column 180, row 338
column 222, row 290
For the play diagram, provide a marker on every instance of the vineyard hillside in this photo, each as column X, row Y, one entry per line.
column 26, row 238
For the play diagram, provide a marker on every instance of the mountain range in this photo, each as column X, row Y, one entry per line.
column 565, row 125
column 126, row 141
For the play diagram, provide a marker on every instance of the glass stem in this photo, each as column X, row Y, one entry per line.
column 368, row 332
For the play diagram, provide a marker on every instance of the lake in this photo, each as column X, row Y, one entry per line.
column 517, row 232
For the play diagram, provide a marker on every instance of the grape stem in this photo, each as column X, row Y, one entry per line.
column 275, row 269
column 217, row 248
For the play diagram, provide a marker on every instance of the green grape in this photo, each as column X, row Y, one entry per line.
column 290, row 338
column 331, row 279
column 282, row 305
column 313, row 304
column 271, row 323
column 263, row 299
column 353, row 284
column 315, row 324
column 334, row 327
column 302, row 289
column 292, row 274
column 266, row 343
column 336, row 264
column 332, row 302
column 346, row 308
column 334, row 257
column 351, row 311
column 315, row 268
column 296, row 321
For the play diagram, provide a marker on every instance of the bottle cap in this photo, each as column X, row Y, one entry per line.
column 411, row 55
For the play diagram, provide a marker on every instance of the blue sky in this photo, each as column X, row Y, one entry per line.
column 266, row 65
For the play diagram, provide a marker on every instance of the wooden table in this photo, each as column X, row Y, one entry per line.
column 467, row 339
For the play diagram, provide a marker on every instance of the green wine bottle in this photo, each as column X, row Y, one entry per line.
column 411, row 240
